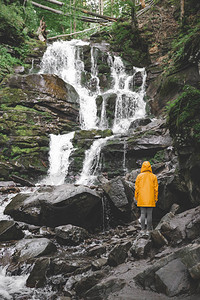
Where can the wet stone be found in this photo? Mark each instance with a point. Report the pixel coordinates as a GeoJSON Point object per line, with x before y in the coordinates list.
{"type": "Point", "coordinates": [172, 279]}
{"type": "Point", "coordinates": [70, 235]}
{"type": "Point", "coordinates": [141, 247]}
{"type": "Point", "coordinates": [99, 263]}
{"type": "Point", "coordinates": [37, 277]}
{"type": "Point", "coordinates": [9, 230]}
{"type": "Point", "coordinates": [118, 254]}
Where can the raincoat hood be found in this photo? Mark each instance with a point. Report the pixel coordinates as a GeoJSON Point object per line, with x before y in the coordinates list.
{"type": "Point", "coordinates": [146, 167]}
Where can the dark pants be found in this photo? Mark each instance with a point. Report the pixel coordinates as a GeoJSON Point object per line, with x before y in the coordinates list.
{"type": "Point", "coordinates": [146, 213]}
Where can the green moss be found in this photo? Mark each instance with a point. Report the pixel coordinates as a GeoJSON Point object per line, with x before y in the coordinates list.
{"type": "Point", "coordinates": [15, 150]}
{"type": "Point", "coordinates": [184, 116]}
{"type": "Point", "coordinates": [3, 139]}
{"type": "Point", "coordinates": [129, 43]}
{"type": "Point", "coordinates": [158, 157]}
{"type": "Point", "coordinates": [170, 85]}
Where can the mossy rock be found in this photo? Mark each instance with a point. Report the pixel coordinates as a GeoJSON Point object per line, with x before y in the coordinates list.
{"type": "Point", "coordinates": [184, 118]}
{"type": "Point", "coordinates": [129, 43]}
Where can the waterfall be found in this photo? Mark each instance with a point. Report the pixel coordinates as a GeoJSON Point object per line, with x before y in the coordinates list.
{"type": "Point", "coordinates": [65, 59]}
{"type": "Point", "coordinates": [60, 150]}
{"type": "Point", "coordinates": [91, 162]}
{"type": "Point", "coordinates": [129, 104]}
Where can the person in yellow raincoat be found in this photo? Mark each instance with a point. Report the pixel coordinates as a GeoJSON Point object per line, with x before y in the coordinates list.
{"type": "Point", "coordinates": [146, 194]}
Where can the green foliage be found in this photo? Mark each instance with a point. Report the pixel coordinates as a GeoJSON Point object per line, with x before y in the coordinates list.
{"type": "Point", "coordinates": [7, 62]}
{"type": "Point", "coordinates": [129, 43]}
{"type": "Point", "coordinates": [186, 48]}
{"type": "Point", "coordinates": [11, 24]}
{"type": "Point", "coordinates": [30, 18]}
{"type": "Point", "coordinates": [184, 115]}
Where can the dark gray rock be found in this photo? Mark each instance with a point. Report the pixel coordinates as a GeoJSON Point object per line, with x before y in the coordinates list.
{"type": "Point", "coordinates": [70, 235]}
{"type": "Point", "coordinates": [120, 196]}
{"type": "Point", "coordinates": [62, 266]}
{"type": "Point", "coordinates": [172, 279]}
{"type": "Point", "coordinates": [99, 263]}
{"type": "Point", "coordinates": [38, 276]}
{"type": "Point", "coordinates": [190, 256]}
{"type": "Point", "coordinates": [181, 227]}
{"type": "Point", "coordinates": [195, 271]}
{"type": "Point", "coordinates": [9, 230]}
{"type": "Point", "coordinates": [118, 254]}
{"type": "Point", "coordinates": [103, 289]}
{"type": "Point", "coordinates": [97, 250]}
{"type": "Point", "coordinates": [171, 274]}
{"type": "Point", "coordinates": [139, 122]}
{"type": "Point", "coordinates": [158, 239]}
{"type": "Point", "coordinates": [88, 281]}
{"type": "Point", "coordinates": [59, 205]}
{"type": "Point", "coordinates": [141, 247]}
{"type": "Point", "coordinates": [32, 248]}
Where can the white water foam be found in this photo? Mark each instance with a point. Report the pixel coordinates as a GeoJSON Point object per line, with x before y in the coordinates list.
{"type": "Point", "coordinates": [60, 149]}
{"type": "Point", "coordinates": [12, 285]}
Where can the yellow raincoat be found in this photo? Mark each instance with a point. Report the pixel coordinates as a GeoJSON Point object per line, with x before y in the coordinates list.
{"type": "Point", "coordinates": [146, 187]}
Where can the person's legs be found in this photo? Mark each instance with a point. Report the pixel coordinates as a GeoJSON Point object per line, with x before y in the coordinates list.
{"type": "Point", "coordinates": [149, 218]}
{"type": "Point", "coordinates": [142, 218]}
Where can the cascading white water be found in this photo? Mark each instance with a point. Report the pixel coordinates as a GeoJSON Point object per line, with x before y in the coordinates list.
{"type": "Point", "coordinates": [65, 60]}
{"type": "Point", "coordinates": [129, 104]}
{"type": "Point", "coordinates": [91, 162]}
{"type": "Point", "coordinates": [60, 150]}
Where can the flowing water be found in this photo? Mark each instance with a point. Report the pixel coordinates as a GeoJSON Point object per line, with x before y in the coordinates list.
{"type": "Point", "coordinates": [65, 59]}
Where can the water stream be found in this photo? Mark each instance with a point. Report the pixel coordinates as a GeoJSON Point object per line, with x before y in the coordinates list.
{"type": "Point", "coordinates": [65, 59]}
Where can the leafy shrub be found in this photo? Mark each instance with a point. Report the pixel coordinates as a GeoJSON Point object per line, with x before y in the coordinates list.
{"type": "Point", "coordinates": [7, 62]}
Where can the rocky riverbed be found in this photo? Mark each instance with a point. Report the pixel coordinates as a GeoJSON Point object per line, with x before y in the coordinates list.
{"type": "Point", "coordinates": [103, 258]}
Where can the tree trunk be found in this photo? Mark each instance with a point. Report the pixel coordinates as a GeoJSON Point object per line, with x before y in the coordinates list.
{"type": "Point", "coordinates": [101, 19]}
{"type": "Point", "coordinates": [82, 18]}
{"type": "Point", "coordinates": [111, 8]}
{"type": "Point", "coordinates": [182, 10]}
{"type": "Point", "coordinates": [134, 22]}
{"type": "Point", "coordinates": [87, 11]}
{"type": "Point", "coordinates": [101, 7]}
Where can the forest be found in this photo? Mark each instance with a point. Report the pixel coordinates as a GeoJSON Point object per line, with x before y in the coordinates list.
{"type": "Point", "coordinates": [89, 89]}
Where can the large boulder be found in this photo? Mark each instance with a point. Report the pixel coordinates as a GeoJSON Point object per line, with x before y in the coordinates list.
{"type": "Point", "coordinates": [120, 196]}
{"type": "Point", "coordinates": [103, 289]}
{"type": "Point", "coordinates": [181, 227]}
{"type": "Point", "coordinates": [37, 277]}
{"type": "Point", "coordinates": [170, 275]}
{"type": "Point", "coordinates": [172, 279]}
{"type": "Point", "coordinates": [59, 205]}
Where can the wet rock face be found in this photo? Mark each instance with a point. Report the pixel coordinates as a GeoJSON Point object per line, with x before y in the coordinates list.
{"type": "Point", "coordinates": [120, 197]}
{"type": "Point", "coordinates": [32, 107]}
